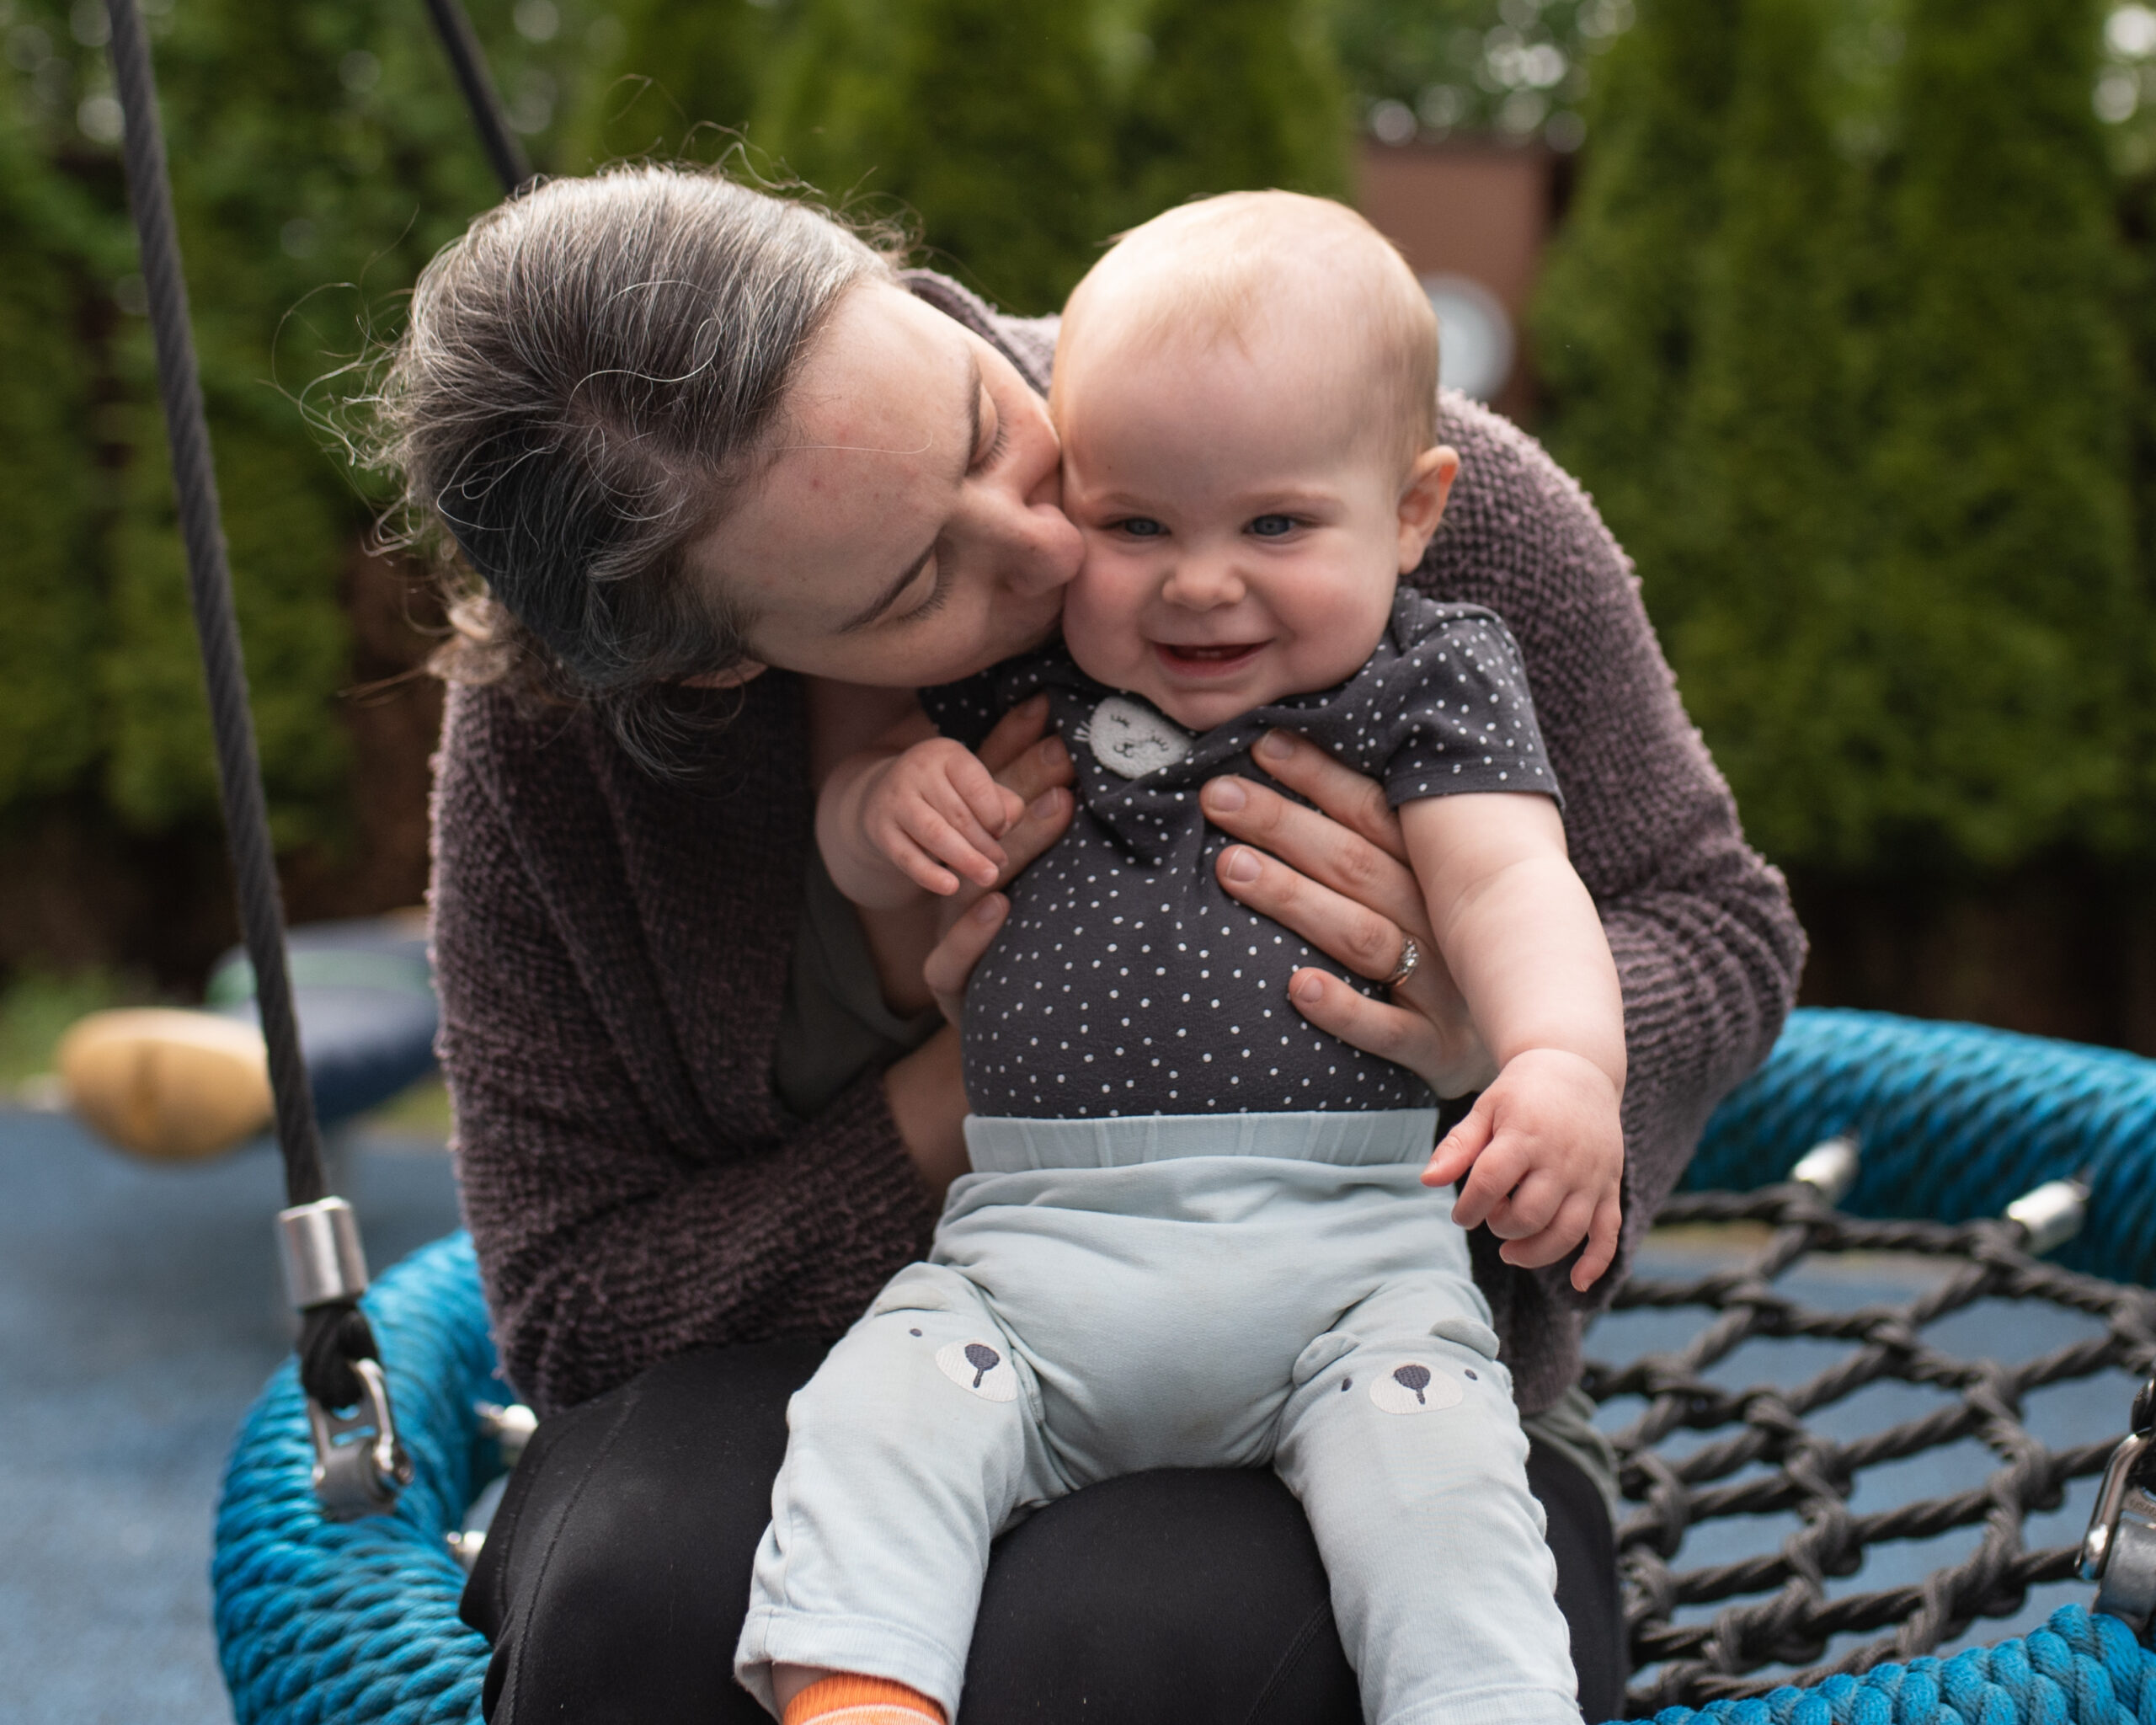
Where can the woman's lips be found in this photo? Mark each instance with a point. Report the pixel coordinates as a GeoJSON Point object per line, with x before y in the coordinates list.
{"type": "Point", "coordinates": [1224, 659]}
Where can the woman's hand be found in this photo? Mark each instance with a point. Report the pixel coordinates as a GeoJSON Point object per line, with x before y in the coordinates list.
{"type": "Point", "coordinates": [1338, 876]}
{"type": "Point", "coordinates": [925, 1092]}
{"type": "Point", "coordinates": [1039, 771]}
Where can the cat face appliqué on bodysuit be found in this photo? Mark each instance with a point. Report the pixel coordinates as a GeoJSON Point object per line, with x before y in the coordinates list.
{"type": "Point", "coordinates": [1131, 740]}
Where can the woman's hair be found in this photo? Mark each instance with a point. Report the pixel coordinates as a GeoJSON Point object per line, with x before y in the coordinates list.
{"type": "Point", "coordinates": [587, 378]}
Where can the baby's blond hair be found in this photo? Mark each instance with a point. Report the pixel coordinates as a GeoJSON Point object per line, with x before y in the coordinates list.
{"type": "Point", "coordinates": [1219, 269]}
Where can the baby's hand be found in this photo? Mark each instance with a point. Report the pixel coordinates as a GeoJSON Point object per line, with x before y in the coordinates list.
{"type": "Point", "coordinates": [1547, 1153]}
{"type": "Point", "coordinates": [936, 805]}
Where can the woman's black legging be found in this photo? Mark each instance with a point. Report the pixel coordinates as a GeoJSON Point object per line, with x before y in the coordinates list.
{"type": "Point", "coordinates": [616, 1577]}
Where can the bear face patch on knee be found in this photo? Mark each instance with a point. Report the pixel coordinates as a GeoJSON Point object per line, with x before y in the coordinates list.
{"type": "Point", "coordinates": [980, 1368]}
{"type": "Point", "coordinates": [1415, 1386]}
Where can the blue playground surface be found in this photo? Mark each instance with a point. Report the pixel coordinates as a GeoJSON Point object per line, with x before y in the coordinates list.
{"type": "Point", "coordinates": [140, 1314]}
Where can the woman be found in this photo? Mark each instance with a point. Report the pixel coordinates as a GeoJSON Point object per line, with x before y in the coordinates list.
{"type": "Point", "coordinates": [716, 459]}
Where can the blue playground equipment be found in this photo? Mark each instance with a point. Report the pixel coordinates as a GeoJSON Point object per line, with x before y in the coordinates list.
{"type": "Point", "coordinates": [319, 1621]}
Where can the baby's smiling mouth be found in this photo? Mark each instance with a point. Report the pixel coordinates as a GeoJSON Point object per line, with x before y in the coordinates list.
{"type": "Point", "coordinates": [1217, 659]}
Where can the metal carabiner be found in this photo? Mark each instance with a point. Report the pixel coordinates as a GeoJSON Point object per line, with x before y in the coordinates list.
{"type": "Point", "coordinates": [360, 1465]}
{"type": "Point", "coordinates": [2118, 1552]}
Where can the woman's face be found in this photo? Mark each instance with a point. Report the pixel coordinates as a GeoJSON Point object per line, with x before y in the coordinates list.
{"type": "Point", "coordinates": [907, 531]}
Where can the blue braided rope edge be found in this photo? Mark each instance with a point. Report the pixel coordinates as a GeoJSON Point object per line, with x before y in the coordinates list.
{"type": "Point", "coordinates": [324, 1623]}
{"type": "Point", "coordinates": [1957, 1121]}
{"type": "Point", "coordinates": [318, 1623]}
{"type": "Point", "coordinates": [2079, 1669]}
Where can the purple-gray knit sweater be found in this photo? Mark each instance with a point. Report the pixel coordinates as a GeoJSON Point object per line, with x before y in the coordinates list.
{"type": "Point", "coordinates": [613, 951]}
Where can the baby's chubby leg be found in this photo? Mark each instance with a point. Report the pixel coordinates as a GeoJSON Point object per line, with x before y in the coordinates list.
{"type": "Point", "coordinates": [908, 1452]}
{"type": "Point", "coordinates": [1403, 1443]}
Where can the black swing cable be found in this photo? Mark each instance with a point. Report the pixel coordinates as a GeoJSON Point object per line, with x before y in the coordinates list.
{"type": "Point", "coordinates": [359, 1464]}
{"type": "Point", "coordinates": [504, 152]}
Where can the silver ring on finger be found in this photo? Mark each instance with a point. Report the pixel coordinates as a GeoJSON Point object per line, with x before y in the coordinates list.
{"type": "Point", "coordinates": [1411, 955]}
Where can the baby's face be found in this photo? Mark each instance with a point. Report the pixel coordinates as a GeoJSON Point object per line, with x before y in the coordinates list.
{"type": "Point", "coordinates": [1242, 522]}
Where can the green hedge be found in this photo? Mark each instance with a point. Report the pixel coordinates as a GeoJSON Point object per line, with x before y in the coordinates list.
{"type": "Point", "coordinates": [1848, 344]}
{"type": "Point", "coordinates": [1843, 352]}
{"type": "Point", "coordinates": [319, 154]}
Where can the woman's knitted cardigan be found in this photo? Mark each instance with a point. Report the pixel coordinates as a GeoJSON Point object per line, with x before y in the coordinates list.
{"type": "Point", "coordinates": [613, 950]}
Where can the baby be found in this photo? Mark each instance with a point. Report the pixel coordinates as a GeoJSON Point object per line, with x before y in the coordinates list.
{"type": "Point", "coordinates": [1196, 1234]}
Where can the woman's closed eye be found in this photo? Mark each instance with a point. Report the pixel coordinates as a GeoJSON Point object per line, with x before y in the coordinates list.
{"type": "Point", "coordinates": [997, 429]}
{"type": "Point", "coordinates": [939, 589]}
{"type": "Point", "coordinates": [996, 445]}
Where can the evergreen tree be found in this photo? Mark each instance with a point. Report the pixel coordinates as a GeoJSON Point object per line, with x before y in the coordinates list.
{"type": "Point", "coordinates": [317, 143]}
{"type": "Point", "coordinates": [1615, 323]}
{"type": "Point", "coordinates": [1755, 598]}
{"type": "Point", "coordinates": [987, 118]}
{"type": "Point", "coordinates": [1233, 96]}
{"type": "Point", "coordinates": [293, 167]}
{"type": "Point", "coordinates": [2002, 608]}
{"type": "Point", "coordinates": [52, 601]}
{"type": "Point", "coordinates": [2139, 298]}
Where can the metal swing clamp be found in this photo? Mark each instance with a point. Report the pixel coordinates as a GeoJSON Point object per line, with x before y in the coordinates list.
{"type": "Point", "coordinates": [2118, 1552]}
{"type": "Point", "coordinates": [360, 1465]}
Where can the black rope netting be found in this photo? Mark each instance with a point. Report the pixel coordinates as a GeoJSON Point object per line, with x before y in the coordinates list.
{"type": "Point", "coordinates": [1781, 1612]}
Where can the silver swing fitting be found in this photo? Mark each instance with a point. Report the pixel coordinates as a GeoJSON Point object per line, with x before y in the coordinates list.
{"type": "Point", "coordinates": [2118, 1552]}
{"type": "Point", "coordinates": [1830, 1168]}
{"type": "Point", "coordinates": [360, 1464]}
{"type": "Point", "coordinates": [2050, 1214]}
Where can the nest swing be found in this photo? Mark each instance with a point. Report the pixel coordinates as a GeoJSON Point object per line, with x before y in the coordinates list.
{"type": "Point", "coordinates": [322, 1620]}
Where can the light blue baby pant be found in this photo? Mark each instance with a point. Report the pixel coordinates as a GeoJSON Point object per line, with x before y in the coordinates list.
{"type": "Point", "coordinates": [1105, 1296]}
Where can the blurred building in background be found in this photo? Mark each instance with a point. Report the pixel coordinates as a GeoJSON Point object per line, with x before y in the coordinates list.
{"type": "Point", "coordinates": [1471, 218]}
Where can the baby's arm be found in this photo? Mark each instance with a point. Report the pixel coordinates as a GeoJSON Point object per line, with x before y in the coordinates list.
{"type": "Point", "coordinates": [912, 813]}
{"type": "Point", "coordinates": [1523, 940]}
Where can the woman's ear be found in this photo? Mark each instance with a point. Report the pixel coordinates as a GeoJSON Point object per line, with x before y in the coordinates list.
{"type": "Point", "coordinates": [733, 677]}
{"type": "Point", "coordinates": [1423, 501]}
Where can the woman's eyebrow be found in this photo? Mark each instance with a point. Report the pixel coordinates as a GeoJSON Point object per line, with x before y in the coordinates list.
{"type": "Point", "coordinates": [889, 596]}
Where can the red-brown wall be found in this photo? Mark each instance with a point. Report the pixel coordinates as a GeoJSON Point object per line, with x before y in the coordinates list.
{"type": "Point", "coordinates": [1472, 209]}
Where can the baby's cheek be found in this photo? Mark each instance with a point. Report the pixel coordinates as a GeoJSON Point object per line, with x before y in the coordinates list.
{"type": "Point", "coordinates": [1100, 617]}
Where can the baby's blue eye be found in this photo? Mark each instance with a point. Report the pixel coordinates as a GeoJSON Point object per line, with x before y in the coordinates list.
{"type": "Point", "coordinates": [1140, 527]}
{"type": "Point", "coordinates": [1273, 526]}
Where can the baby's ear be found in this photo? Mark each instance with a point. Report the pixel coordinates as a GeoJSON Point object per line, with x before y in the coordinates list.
{"type": "Point", "coordinates": [1422, 501]}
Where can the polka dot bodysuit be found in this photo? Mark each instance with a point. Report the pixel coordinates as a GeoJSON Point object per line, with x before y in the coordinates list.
{"type": "Point", "coordinates": [1126, 981]}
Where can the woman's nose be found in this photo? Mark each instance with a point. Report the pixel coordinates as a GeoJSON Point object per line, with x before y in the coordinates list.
{"type": "Point", "coordinates": [1044, 550]}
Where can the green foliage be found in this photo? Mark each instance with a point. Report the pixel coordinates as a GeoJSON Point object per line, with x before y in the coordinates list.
{"type": "Point", "coordinates": [676, 81]}
{"type": "Point", "coordinates": [1842, 359]}
{"type": "Point", "coordinates": [1616, 326]}
{"type": "Point", "coordinates": [987, 118]}
{"type": "Point", "coordinates": [50, 599]}
{"type": "Point", "coordinates": [2125, 90]}
{"type": "Point", "coordinates": [2004, 591]}
{"type": "Point", "coordinates": [1232, 98]}
{"type": "Point", "coordinates": [37, 1006]}
{"type": "Point", "coordinates": [1519, 68]}
{"type": "Point", "coordinates": [319, 154]}
{"type": "Point", "coordinates": [2140, 300]}
{"type": "Point", "coordinates": [1839, 332]}
{"type": "Point", "coordinates": [1756, 595]}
